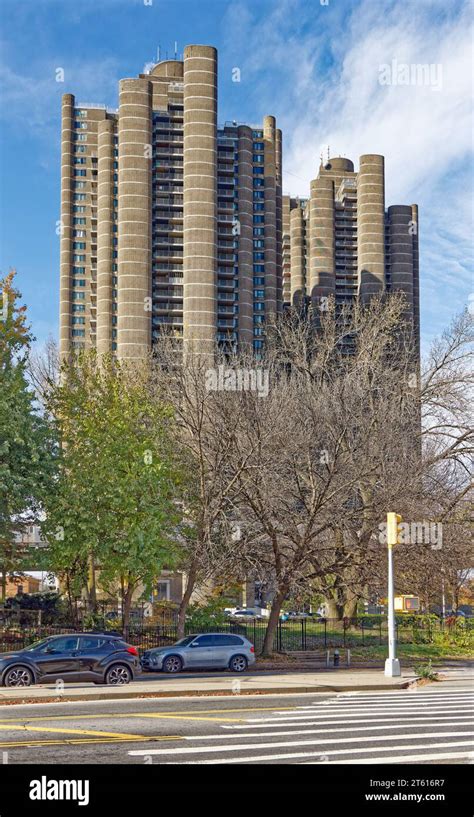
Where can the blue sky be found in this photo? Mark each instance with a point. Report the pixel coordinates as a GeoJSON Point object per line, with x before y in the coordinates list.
{"type": "Point", "coordinates": [314, 65]}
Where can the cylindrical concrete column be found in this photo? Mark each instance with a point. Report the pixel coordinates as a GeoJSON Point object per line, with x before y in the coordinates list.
{"type": "Point", "coordinates": [134, 219]}
{"type": "Point", "coordinates": [371, 225]}
{"type": "Point", "coordinates": [279, 218]}
{"type": "Point", "coordinates": [269, 137]}
{"type": "Point", "coordinates": [105, 234]}
{"type": "Point", "coordinates": [200, 198]}
{"type": "Point", "coordinates": [401, 255]}
{"type": "Point", "coordinates": [414, 228]}
{"type": "Point", "coordinates": [65, 268]}
{"type": "Point", "coordinates": [297, 256]}
{"type": "Point", "coordinates": [245, 216]}
{"type": "Point", "coordinates": [321, 242]}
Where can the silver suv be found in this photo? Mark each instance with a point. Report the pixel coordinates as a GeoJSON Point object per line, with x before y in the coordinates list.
{"type": "Point", "coordinates": [209, 651]}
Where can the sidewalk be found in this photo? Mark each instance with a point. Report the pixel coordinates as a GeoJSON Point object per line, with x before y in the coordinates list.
{"type": "Point", "coordinates": [162, 686]}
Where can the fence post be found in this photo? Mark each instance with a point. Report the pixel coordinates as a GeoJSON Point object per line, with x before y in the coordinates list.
{"type": "Point", "coordinates": [325, 632]}
{"type": "Point", "coordinates": [380, 630]}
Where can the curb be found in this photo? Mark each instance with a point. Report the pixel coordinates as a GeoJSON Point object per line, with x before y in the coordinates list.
{"type": "Point", "coordinates": [115, 696]}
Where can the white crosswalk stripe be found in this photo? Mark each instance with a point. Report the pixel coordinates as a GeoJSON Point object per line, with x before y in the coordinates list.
{"type": "Point", "coordinates": [349, 728]}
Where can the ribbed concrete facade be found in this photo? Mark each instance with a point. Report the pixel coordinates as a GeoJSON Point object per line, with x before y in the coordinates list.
{"type": "Point", "coordinates": [134, 219]}
{"type": "Point", "coordinates": [106, 222]}
{"type": "Point", "coordinates": [352, 247]}
{"type": "Point", "coordinates": [200, 197]}
{"type": "Point", "coordinates": [370, 225]}
{"type": "Point", "coordinates": [170, 221]}
{"type": "Point", "coordinates": [66, 254]}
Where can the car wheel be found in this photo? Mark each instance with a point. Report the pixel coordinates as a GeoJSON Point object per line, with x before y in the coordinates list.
{"type": "Point", "coordinates": [172, 664]}
{"type": "Point", "coordinates": [238, 663]}
{"type": "Point", "coordinates": [18, 677]}
{"type": "Point", "coordinates": [118, 674]}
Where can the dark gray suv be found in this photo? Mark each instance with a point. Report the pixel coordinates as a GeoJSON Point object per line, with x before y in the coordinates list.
{"type": "Point", "coordinates": [207, 651]}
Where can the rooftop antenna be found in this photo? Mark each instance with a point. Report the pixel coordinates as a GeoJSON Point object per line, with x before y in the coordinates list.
{"type": "Point", "coordinates": [158, 54]}
{"type": "Point", "coordinates": [328, 154]}
{"type": "Point", "coordinates": [175, 50]}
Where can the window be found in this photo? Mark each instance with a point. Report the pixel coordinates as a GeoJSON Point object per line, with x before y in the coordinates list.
{"type": "Point", "coordinates": [79, 245]}
{"type": "Point", "coordinates": [258, 194]}
{"type": "Point", "coordinates": [258, 281]}
{"type": "Point", "coordinates": [257, 256]}
{"type": "Point", "coordinates": [259, 293]}
{"type": "Point", "coordinates": [78, 333]}
{"type": "Point", "coordinates": [79, 185]}
{"type": "Point", "coordinates": [258, 146]}
{"type": "Point", "coordinates": [258, 206]}
{"type": "Point", "coordinates": [258, 230]}
{"type": "Point", "coordinates": [259, 268]}
{"type": "Point", "coordinates": [162, 591]}
{"type": "Point", "coordinates": [205, 641]}
{"type": "Point", "coordinates": [57, 645]}
{"type": "Point", "coordinates": [78, 258]}
{"type": "Point", "coordinates": [80, 125]}
{"type": "Point", "coordinates": [80, 160]}
{"type": "Point", "coordinates": [79, 270]}
{"type": "Point", "coordinates": [78, 282]}
{"type": "Point", "coordinates": [227, 641]}
{"type": "Point", "coordinates": [90, 642]}
{"type": "Point", "coordinates": [78, 307]}
{"type": "Point", "coordinates": [76, 296]}
{"type": "Point", "coordinates": [259, 219]}
{"type": "Point", "coordinates": [259, 243]}
{"type": "Point", "coordinates": [258, 182]}
{"type": "Point", "coordinates": [80, 137]}
{"type": "Point", "coordinates": [79, 196]}
{"type": "Point", "coordinates": [258, 344]}
{"type": "Point", "coordinates": [79, 221]}
{"type": "Point", "coordinates": [79, 208]}
{"type": "Point", "coordinates": [259, 306]}
{"type": "Point", "coordinates": [258, 171]}
{"type": "Point", "coordinates": [80, 172]}
{"type": "Point", "coordinates": [80, 149]}
{"type": "Point", "coordinates": [80, 321]}
{"type": "Point", "coordinates": [258, 157]}
{"type": "Point", "coordinates": [80, 234]}
{"type": "Point", "coordinates": [80, 113]}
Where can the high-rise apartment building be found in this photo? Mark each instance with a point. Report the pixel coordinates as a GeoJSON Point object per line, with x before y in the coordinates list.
{"type": "Point", "coordinates": [342, 242]}
{"type": "Point", "coordinates": [167, 218]}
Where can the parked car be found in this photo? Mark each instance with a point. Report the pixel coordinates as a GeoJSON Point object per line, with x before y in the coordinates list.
{"type": "Point", "coordinates": [247, 613]}
{"type": "Point", "coordinates": [207, 651]}
{"type": "Point", "coordinates": [102, 658]}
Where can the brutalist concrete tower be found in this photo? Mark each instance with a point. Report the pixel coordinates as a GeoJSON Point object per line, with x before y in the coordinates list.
{"type": "Point", "coordinates": [200, 197]}
{"type": "Point", "coordinates": [134, 218]}
{"type": "Point", "coordinates": [170, 222]}
{"type": "Point", "coordinates": [342, 242]}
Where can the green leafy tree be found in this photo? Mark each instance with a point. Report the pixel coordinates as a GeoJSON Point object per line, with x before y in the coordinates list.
{"type": "Point", "coordinates": [112, 510]}
{"type": "Point", "coordinates": [27, 447]}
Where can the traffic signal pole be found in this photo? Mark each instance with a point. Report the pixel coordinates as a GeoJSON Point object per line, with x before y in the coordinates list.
{"type": "Point", "coordinates": [392, 664]}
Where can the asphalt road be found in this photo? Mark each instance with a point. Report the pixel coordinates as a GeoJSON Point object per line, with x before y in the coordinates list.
{"type": "Point", "coordinates": [428, 725]}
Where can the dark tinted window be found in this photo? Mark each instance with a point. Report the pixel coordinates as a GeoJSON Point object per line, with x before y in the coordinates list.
{"type": "Point", "coordinates": [65, 644]}
{"type": "Point", "coordinates": [205, 640]}
{"type": "Point", "coordinates": [227, 640]}
{"type": "Point", "coordinates": [90, 642]}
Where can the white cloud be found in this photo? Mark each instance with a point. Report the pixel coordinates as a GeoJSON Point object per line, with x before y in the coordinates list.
{"type": "Point", "coordinates": [321, 79]}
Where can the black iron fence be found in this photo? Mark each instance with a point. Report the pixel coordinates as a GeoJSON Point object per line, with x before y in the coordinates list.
{"type": "Point", "coordinates": [294, 635]}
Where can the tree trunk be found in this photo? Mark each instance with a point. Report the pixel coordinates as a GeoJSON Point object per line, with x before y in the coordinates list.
{"type": "Point", "coordinates": [190, 584]}
{"type": "Point", "coordinates": [334, 609]}
{"type": "Point", "coordinates": [272, 625]}
{"type": "Point", "coordinates": [91, 587]}
{"type": "Point", "coordinates": [126, 605]}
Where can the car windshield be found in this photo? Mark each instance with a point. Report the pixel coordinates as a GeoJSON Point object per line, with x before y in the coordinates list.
{"type": "Point", "coordinates": [37, 644]}
{"type": "Point", "coordinates": [183, 642]}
